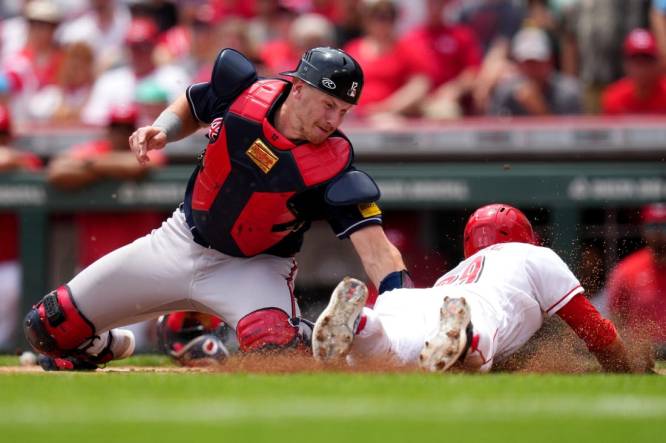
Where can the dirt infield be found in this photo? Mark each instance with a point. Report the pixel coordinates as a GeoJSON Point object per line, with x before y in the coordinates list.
{"type": "Point", "coordinates": [259, 364]}
{"type": "Point", "coordinates": [291, 364]}
{"type": "Point", "coordinates": [555, 349]}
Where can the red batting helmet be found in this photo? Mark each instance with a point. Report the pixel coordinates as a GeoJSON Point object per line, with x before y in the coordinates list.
{"type": "Point", "coordinates": [496, 223]}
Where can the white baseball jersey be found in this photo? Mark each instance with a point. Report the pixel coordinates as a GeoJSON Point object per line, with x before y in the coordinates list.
{"type": "Point", "coordinates": [509, 288]}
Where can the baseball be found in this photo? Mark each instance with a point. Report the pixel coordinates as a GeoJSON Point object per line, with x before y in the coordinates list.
{"type": "Point", "coordinates": [28, 359]}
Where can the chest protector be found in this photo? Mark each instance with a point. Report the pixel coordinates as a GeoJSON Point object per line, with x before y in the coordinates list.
{"type": "Point", "coordinates": [240, 194]}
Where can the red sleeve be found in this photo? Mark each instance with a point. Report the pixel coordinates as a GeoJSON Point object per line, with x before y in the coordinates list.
{"type": "Point", "coordinates": [608, 105]}
{"type": "Point", "coordinates": [597, 332]}
{"type": "Point", "coordinates": [87, 150]}
{"type": "Point", "coordinates": [472, 52]}
{"type": "Point", "coordinates": [614, 98]}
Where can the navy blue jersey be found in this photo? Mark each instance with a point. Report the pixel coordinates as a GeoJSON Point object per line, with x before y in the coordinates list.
{"type": "Point", "coordinates": [256, 191]}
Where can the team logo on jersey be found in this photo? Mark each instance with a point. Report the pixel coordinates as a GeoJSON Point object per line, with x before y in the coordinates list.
{"type": "Point", "coordinates": [214, 130]}
{"type": "Point", "coordinates": [328, 83]}
{"type": "Point", "coordinates": [352, 89]}
{"type": "Point", "coordinates": [262, 155]}
{"type": "Point", "coordinates": [369, 210]}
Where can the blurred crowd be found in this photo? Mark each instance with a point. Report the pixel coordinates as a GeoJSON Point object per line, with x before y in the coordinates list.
{"type": "Point", "coordinates": [72, 61]}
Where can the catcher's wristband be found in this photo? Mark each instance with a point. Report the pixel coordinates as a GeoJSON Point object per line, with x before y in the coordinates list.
{"type": "Point", "coordinates": [170, 123]}
{"type": "Point", "coordinates": [395, 280]}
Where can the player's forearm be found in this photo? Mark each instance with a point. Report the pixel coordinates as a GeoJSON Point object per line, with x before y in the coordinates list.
{"type": "Point", "coordinates": [530, 97]}
{"type": "Point", "coordinates": [569, 55]}
{"type": "Point", "coordinates": [409, 95]}
{"type": "Point", "coordinates": [614, 357]}
{"type": "Point", "coordinates": [177, 120]}
{"type": "Point", "coordinates": [68, 173]}
{"type": "Point", "coordinates": [378, 255]}
{"type": "Point", "coordinates": [9, 159]}
{"type": "Point", "coordinates": [598, 333]}
{"type": "Point", "coordinates": [119, 165]}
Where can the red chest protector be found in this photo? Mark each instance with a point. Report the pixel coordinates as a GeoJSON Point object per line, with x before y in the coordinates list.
{"type": "Point", "coordinates": [250, 171]}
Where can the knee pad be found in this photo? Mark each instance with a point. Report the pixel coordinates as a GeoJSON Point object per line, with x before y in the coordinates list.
{"type": "Point", "coordinates": [266, 329]}
{"type": "Point", "coordinates": [55, 326]}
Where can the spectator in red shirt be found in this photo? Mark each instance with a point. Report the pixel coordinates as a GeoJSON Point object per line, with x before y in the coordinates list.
{"type": "Point", "coordinates": [37, 64]}
{"type": "Point", "coordinates": [643, 89]}
{"type": "Point", "coordinates": [449, 54]}
{"type": "Point", "coordinates": [11, 159]}
{"type": "Point", "coordinates": [390, 87]}
{"type": "Point", "coordinates": [637, 285]}
{"type": "Point", "coordinates": [63, 101]}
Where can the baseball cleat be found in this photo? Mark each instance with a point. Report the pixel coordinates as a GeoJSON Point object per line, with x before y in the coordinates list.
{"type": "Point", "coordinates": [444, 349]}
{"type": "Point", "coordinates": [333, 332]}
{"type": "Point", "coordinates": [65, 364]}
{"type": "Point", "coordinates": [122, 343]}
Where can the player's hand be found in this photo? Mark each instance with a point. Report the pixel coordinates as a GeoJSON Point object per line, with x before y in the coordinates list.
{"type": "Point", "coordinates": [146, 139]}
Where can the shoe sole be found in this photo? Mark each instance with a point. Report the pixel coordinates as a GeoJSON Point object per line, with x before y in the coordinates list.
{"type": "Point", "coordinates": [333, 333]}
{"type": "Point", "coordinates": [125, 344]}
{"type": "Point", "coordinates": [443, 350]}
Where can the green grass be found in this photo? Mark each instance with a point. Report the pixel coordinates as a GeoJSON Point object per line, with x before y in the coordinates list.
{"type": "Point", "coordinates": [335, 407]}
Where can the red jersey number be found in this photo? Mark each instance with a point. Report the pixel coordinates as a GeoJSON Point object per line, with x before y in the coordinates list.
{"type": "Point", "coordinates": [471, 273]}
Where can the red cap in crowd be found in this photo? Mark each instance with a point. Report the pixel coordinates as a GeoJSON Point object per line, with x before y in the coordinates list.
{"type": "Point", "coordinates": [654, 213]}
{"type": "Point", "coordinates": [640, 42]}
{"type": "Point", "coordinates": [142, 30]}
{"type": "Point", "coordinates": [5, 120]}
{"type": "Point", "coordinates": [123, 115]}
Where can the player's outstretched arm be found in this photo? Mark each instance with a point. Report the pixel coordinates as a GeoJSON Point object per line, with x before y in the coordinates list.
{"type": "Point", "coordinates": [174, 123]}
{"type": "Point", "coordinates": [599, 334]}
{"type": "Point", "coordinates": [378, 255]}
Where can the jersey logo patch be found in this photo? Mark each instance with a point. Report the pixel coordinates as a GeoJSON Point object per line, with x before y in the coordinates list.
{"type": "Point", "coordinates": [369, 210]}
{"type": "Point", "coordinates": [262, 156]}
{"type": "Point", "coordinates": [214, 130]}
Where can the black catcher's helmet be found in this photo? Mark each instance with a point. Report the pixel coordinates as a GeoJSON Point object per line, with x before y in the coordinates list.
{"type": "Point", "coordinates": [332, 71]}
